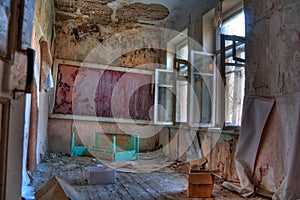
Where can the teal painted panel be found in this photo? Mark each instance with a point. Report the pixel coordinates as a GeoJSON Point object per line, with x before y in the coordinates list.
{"type": "Point", "coordinates": [125, 156]}
{"type": "Point", "coordinates": [79, 151]}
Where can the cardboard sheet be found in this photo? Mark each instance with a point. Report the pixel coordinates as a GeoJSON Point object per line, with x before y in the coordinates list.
{"type": "Point", "coordinates": [157, 160]}
{"type": "Point", "coordinates": [253, 122]}
{"type": "Point", "coordinates": [147, 162]}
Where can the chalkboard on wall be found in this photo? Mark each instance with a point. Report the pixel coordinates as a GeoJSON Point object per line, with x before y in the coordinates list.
{"type": "Point", "coordinates": [85, 89]}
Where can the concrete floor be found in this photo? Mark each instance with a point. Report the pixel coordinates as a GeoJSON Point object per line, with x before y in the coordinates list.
{"type": "Point", "coordinates": [136, 186]}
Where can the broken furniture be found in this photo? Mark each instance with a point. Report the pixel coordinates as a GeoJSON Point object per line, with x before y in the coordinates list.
{"type": "Point", "coordinates": [116, 146]}
{"type": "Point", "coordinates": [77, 150]}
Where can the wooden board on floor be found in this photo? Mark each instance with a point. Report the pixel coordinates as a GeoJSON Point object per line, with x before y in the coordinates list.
{"type": "Point", "coordinates": [57, 188]}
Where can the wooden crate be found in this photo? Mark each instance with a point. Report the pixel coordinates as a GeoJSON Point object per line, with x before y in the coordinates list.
{"type": "Point", "coordinates": [200, 184]}
{"type": "Point", "coordinates": [115, 147]}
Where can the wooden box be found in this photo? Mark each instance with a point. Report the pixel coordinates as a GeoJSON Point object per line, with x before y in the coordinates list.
{"type": "Point", "coordinates": [200, 184]}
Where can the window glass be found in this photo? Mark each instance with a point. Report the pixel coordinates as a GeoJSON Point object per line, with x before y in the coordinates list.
{"type": "Point", "coordinates": [181, 100]}
{"type": "Point", "coordinates": [203, 87]}
{"type": "Point", "coordinates": [234, 69]}
{"type": "Point", "coordinates": [234, 93]}
{"type": "Point", "coordinates": [163, 112]}
{"type": "Point", "coordinates": [182, 50]}
{"type": "Point", "coordinates": [234, 25]}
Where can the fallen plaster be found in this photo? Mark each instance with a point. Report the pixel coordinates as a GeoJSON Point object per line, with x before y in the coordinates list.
{"type": "Point", "coordinates": [168, 183]}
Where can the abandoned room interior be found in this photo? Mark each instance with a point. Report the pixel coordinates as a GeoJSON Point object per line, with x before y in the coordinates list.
{"type": "Point", "coordinates": [149, 99]}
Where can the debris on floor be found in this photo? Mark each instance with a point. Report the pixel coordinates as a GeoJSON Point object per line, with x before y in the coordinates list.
{"type": "Point", "coordinates": [168, 183]}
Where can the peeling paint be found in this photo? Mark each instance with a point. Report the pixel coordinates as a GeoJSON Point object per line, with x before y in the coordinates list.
{"type": "Point", "coordinates": [140, 11]}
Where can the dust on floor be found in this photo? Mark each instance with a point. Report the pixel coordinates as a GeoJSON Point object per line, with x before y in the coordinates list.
{"type": "Point", "coordinates": [147, 186]}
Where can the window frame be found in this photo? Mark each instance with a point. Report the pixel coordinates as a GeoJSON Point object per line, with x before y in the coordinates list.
{"type": "Point", "coordinates": [157, 95]}
{"type": "Point", "coordinates": [214, 95]}
{"type": "Point", "coordinates": [240, 62]}
{"type": "Point", "coordinates": [185, 78]}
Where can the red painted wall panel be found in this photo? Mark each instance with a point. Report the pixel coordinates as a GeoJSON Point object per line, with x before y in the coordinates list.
{"type": "Point", "coordinates": [104, 93]}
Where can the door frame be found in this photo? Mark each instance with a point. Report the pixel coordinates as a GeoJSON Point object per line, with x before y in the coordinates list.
{"type": "Point", "coordinates": [4, 117]}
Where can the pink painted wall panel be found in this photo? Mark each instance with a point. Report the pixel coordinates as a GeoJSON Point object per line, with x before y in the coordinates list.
{"type": "Point", "coordinates": [104, 93]}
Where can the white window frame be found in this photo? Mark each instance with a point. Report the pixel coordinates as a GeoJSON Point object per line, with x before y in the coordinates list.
{"type": "Point", "coordinates": [158, 85]}
{"type": "Point", "coordinates": [213, 92]}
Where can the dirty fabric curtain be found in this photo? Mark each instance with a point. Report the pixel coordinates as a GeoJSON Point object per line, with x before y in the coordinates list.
{"type": "Point", "coordinates": [288, 108]}
{"type": "Point", "coordinates": [255, 114]}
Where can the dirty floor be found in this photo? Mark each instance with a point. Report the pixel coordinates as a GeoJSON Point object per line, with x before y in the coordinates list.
{"type": "Point", "coordinates": [147, 186]}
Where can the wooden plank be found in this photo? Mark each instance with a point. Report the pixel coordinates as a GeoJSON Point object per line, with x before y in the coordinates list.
{"type": "Point", "coordinates": [152, 192]}
{"type": "Point", "coordinates": [129, 184]}
{"type": "Point", "coordinates": [162, 185]}
{"type": "Point", "coordinates": [57, 188]}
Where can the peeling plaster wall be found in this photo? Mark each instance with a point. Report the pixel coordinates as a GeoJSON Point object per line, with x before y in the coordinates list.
{"type": "Point", "coordinates": [98, 32]}
{"type": "Point", "coordinates": [273, 45]}
{"type": "Point", "coordinates": [273, 57]}
{"type": "Point", "coordinates": [82, 26]}
{"type": "Point", "coordinates": [111, 32]}
{"type": "Point", "coordinates": [139, 11]}
{"type": "Point", "coordinates": [219, 150]}
{"type": "Point", "coordinates": [270, 161]}
{"type": "Point", "coordinates": [43, 27]}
